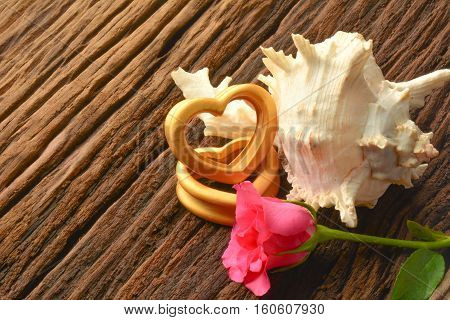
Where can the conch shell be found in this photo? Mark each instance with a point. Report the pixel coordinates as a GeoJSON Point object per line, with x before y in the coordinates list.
{"type": "Point", "coordinates": [345, 130]}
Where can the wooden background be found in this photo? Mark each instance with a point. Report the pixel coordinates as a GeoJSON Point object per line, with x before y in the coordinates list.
{"type": "Point", "coordinates": [87, 187]}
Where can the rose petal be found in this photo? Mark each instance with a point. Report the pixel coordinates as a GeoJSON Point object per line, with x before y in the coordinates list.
{"type": "Point", "coordinates": [248, 239]}
{"type": "Point", "coordinates": [263, 231]}
{"type": "Point", "coordinates": [248, 204]}
{"type": "Point", "coordinates": [277, 243]}
{"type": "Point", "coordinates": [258, 259]}
{"type": "Point", "coordinates": [236, 274]}
{"type": "Point", "coordinates": [255, 266]}
{"type": "Point", "coordinates": [236, 260]}
{"type": "Point", "coordinates": [285, 218]}
{"type": "Point", "coordinates": [258, 283]}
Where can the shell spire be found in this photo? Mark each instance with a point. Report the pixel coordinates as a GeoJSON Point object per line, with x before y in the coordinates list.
{"type": "Point", "coordinates": [304, 47]}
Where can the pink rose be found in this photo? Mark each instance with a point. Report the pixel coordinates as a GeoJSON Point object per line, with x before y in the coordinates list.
{"type": "Point", "coordinates": [263, 227]}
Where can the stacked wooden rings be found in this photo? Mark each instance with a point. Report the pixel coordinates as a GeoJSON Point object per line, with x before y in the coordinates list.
{"type": "Point", "coordinates": [214, 163]}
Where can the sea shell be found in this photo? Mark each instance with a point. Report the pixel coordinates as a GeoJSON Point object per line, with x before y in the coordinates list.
{"type": "Point", "coordinates": [345, 130]}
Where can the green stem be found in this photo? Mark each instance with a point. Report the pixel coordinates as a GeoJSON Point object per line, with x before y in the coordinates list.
{"type": "Point", "coordinates": [326, 234]}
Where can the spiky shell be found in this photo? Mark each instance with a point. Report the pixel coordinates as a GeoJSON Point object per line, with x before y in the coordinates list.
{"type": "Point", "coordinates": [344, 129]}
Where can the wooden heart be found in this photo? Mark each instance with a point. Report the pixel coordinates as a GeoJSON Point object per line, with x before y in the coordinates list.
{"type": "Point", "coordinates": [249, 158]}
{"type": "Point", "coordinates": [217, 205]}
{"type": "Point", "coordinates": [265, 177]}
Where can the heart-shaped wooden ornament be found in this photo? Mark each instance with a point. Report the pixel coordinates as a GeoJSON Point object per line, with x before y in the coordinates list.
{"type": "Point", "coordinates": [249, 158]}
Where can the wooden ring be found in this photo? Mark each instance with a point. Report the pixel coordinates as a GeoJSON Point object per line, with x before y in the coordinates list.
{"type": "Point", "coordinates": [216, 205]}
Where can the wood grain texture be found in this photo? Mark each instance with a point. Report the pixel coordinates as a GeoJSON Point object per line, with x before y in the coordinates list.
{"type": "Point", "coordinates": [87, 187]}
